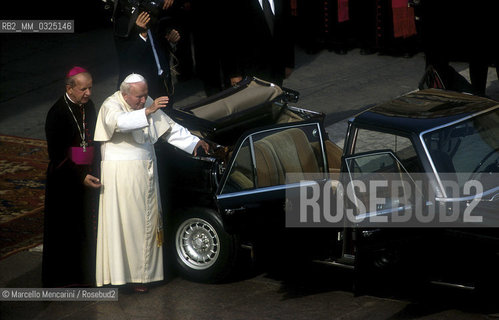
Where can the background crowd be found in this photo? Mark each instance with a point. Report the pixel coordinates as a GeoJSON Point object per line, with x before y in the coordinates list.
{"type": "Point", "coordinates": [444, 30]}
{"type": "Point", "coordinates": [213, 33]}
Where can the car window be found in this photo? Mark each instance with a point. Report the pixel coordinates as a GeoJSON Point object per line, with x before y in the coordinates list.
{"type": "Point", "coordinates": [468, 149]}
{"type": "Point", "coordinates": [287, 155]}
{"type": "Point", "coordinates": [379, 175]}
{"type": "Point", "coordinates": [278, 156]}
{"type": "Point", "coordinates": [373, 163]}
{"type": "Point", "coordinates": [241, 175]}
{"type": "Point", "coordinates": [402, 147]}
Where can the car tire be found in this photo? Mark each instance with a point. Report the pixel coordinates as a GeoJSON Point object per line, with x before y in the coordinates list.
{"type": "Point", "coordinates": [203, 251]}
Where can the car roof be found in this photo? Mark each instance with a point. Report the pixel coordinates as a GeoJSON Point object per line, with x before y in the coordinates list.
{"type": "Point", "coordinates": [423, 110]}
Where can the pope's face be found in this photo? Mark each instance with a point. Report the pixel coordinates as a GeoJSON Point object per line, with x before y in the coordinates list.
{"type": "Point", "coordinates": [137, 95]}
{"type": "Point", "coordinates": [82, 90]}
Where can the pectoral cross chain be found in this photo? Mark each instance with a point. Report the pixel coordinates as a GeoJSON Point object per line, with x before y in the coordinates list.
{"type": "Point", "coordinates": [84, 145]}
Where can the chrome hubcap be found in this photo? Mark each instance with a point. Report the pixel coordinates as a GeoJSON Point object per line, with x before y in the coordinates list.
{"type": "Point", "coordinates": [197, 244]}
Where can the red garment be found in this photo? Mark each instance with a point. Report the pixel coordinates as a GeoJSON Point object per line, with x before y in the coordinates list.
{"type": "Point", "coordinates": [343, 14]}
{"type": "Point", "coordinates": [404, 21]}
{"type": "Point", "coordinates": [294, 8]}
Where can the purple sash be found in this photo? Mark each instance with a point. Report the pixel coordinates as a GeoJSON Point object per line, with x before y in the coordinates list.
{"type": "Point", "coordinates": [80, 157]}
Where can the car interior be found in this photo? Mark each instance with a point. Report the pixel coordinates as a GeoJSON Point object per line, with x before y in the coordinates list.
{"type": "Point", "coordinates": [278, 154]}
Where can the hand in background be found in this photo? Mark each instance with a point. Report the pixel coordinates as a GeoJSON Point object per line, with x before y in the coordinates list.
{"type": "Point", "coordinates": [235, 80]}
{"type": "Point", "coordinates": [142, 20]}
{"type": "Point", "coordinates": [173, 36]}
{"type": "Point", "coordinates": [167, 4]}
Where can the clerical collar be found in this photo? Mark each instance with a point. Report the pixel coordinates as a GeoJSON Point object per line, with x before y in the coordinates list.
{"type": "Point", "coordinates": [67, 96]}
{"type": "Point", "coordinates": [128, 108]}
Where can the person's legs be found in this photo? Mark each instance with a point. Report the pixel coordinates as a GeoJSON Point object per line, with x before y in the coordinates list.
{"type": "Point", "coordinates": [478, 75]}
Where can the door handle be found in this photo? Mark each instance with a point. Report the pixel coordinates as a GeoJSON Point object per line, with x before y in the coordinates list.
{"type": "Point", "coordinates": [232, 211]}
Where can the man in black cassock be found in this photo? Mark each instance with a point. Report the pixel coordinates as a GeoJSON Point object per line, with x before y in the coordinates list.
{"type": "Point", "coordinates": [72, 187]}
{"type": "Point", "coordinates": [259, 42]}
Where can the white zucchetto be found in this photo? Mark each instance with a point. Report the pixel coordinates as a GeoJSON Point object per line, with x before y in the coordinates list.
{"type": "Point", "coordinates": [134, 78]}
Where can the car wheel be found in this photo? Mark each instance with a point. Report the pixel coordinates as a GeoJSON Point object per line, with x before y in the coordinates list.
{"type": "Point", "coordinates": [203, 250]}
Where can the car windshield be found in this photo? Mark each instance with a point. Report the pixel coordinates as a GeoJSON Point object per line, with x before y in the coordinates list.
{"type": "Point", "coordinates": [467, 150]}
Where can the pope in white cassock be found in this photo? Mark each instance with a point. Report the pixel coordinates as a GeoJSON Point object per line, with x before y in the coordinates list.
{"type": "Point", "coordinates": [129, 236]}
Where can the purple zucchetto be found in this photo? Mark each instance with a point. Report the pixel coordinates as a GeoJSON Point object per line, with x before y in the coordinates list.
{"type": "Point", "coordinates": [75, 70]}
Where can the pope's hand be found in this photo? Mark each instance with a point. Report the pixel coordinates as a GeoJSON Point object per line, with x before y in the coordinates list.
{"type": "Point", "coordinates": [160, 102]}
{"type": "Point", "coordinates": [203, 144]}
